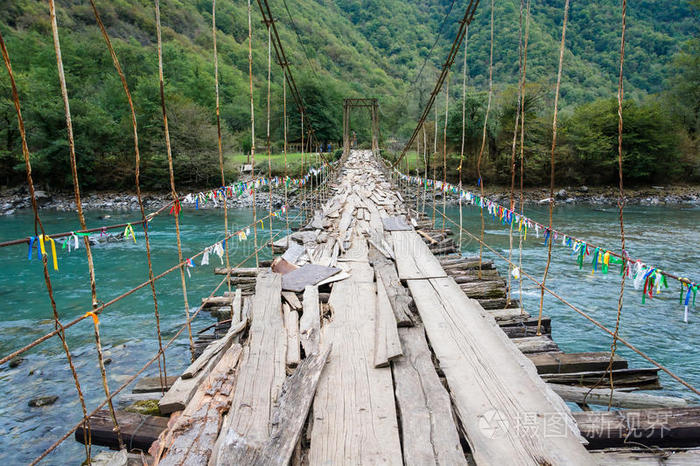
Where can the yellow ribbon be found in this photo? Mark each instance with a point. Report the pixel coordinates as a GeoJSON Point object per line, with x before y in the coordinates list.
{"type": "Point", "coordinates": [43, 238]}
{"type": "Point", "coordinates": [95, 319]}
{"type": "Point", "coordinates": [129, 230]}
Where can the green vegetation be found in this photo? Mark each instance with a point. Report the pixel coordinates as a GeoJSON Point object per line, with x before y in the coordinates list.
{"type": "Point", "coordinates": [348, 48]}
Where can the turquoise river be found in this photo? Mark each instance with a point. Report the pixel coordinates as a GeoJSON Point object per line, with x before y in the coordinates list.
{"type": "Point", "coordinates": [664, 236]}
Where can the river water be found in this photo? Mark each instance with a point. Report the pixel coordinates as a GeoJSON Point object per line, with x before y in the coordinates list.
{"type": "Point", "coordinates": [663, 236]}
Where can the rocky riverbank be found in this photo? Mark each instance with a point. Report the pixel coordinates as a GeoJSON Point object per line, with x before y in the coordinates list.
{"type": "Point", "coordinates": [12, 200]}
{"type": "Point", "coordinates": [646, 196]}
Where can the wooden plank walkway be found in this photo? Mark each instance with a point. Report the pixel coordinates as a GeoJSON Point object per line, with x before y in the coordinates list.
{"type": "Point", "coordinates": [386, 354]}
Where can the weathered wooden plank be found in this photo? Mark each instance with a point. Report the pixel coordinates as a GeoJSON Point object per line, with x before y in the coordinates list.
{"type": "Point", "coordinates": [674, 427]}
{"type": "Point", "coordinates": [489, 386]}
{"type": "Point", "coordinates": [498, 303]}
{"type": "Point", "coordinates": [236, 307]}
{"type": "Point", "coordinates": [508, 314]}
{"type": "Point", "coordinates": [214, 348]}
{"type": "Point", "coordinates": [291, 324]}
{"type": "Point", "coordinates": [191, 439]}
{"type": "Point", "coordinates": [260, 378]}
{"type": "Point", "coordinates": [399, 298]}
{"type": "Point", "coordinates": [428, 429]}
{"type": "Point", "coordinates": [138, 431]}
{"type": "Point", "coordinates": [309, 274]}
{"type": "Point", "coordinates": [310, 321]}
{"type": "Point", "coordinates": [354, 415]}
{"type": "Point", "coordinates": [387, 345]}
{"type": "Point", "coordinates": [536, 344]}
{"type": "Point", "coordinates": [395, 224]}
{"type": "Point", "coordinates": [620, 399]}
{"type": "Point", "coordinates": [291, 411]}
{"type": "Point", "coordinates": [292, 300]}
{"type": "Point", "coordinates": [413, 258]}
{"type": "Point", "coordinates": [557, 363]}
{"type": "Point", "coordinates": [648, 457]}
{"type": "Point", "coordinates": [643, 379]}
{"type": "Point", "coordinates": [152, 384]}
{"type": "Point", "coordinates": [216, 301]}
{"type": "Point", "coordinates": [239, 271]}
{"type": "Point", "coordinates": [484, 289]}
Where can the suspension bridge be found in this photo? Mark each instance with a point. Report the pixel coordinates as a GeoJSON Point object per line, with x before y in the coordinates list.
{"type": "Point", "coordinates": [369, 338]}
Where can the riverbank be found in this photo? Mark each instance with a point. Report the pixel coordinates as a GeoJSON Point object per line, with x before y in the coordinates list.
{"type": "Point", "coordinates": [14, 199]}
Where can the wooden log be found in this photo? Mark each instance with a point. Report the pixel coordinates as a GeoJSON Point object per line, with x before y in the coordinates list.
{"type": "Point", "coordinates": [620, 399]}
{"type": "Point", "coordinates": [191, 439]}
{"type": "Point", "coordinates": [310, 321]}
{"type": "Point", "coordinates": [428, 429]}
{"type": "Point", "coordinates": [545, 327]}
{"type": "Point", "coordinates": [647, 457]}
{"type": "Point", "coordinates": [354, 414]}
{"type": "Point", "coordinates": [536, 344]}
{"type": "Point", "coordinates": [474, 277]}
{"type": "Point", "coordinates": [641, 379]}
{"type": "Point", "coordinates": [260, 378]}
{"type": "Point", "coordinates": [484, 289]}
{"type": "Point", "coordinates": [674, 427]}
{"type": "Point", "coordinates": [557, 363]}
{"type": "Point", "coordinates": [152, 384]}
{"type": "Point", "coordinates": [138, 431]}
{"type": "Point", "coordinates": [399, 298]}
{"type": "Point", "coordinates": [387, 345]}
{"type": "Point", "coordinates": [523, 332]}
{"type": "Point", "coordinates": [511, 314]}
{"type": "Point", "coordinates": [214, 348]}
{"type": "Point", "coordinates": [216, 301]}
{"type": "Point", "coordinates": [498, 303]}
{"type": "Point", "coordinates": [291, 411]}
{"type": "Point", "coordinates": [292, 300]}
{"type": "Point", "coordinates": [239, 271]}
{"type": "Point", "coordinates": [468, 264]}
{"type": "Point", "coordinates": [291, 324]}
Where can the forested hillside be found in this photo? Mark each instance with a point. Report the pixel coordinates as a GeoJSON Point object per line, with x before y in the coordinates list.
{"type": "Point", "coordinates": [347, 48]}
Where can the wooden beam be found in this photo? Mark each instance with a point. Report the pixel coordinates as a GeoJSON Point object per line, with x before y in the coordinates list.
{"type": "Point", "coordinates": [428, 428]}
{"type": "Point", "coordinates": [620, 399]}
{"type": "Point", "coordinates": [413, 258]}
{"type": "Point", "coordinates": [291, 324]}
{"type": "Point", "coordinates": [491, 388]}
{"type": "Point", "coordinates": [354, 415]}
{"type": "Point", "coordinates": [291, 411]}
{"type": "Point", "coordinates": [310, 321]}
{"type": "Point", "coordinates": [260, 378]}
{"type": "Point", "coordinates": [387, 345]}
{"type": "Point", "coordinates": [642, 379]}
{"type": "Point", "coordinates": [557, 363]}
{"type": "Point", "coordinates": [138, 431]}
{"type": "Point", "coordinates": [676, 427]}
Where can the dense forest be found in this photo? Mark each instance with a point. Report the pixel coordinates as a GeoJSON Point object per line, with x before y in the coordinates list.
{"type": "Point", "coordinates": [389, 49]}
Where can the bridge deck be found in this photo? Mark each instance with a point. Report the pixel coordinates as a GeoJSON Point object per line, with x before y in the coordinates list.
{"type": "Point", "coordinates": [362, 414]}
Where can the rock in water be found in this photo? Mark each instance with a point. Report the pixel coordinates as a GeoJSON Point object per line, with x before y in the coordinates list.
{"type": "Point", "coordinates": [16, 361]}
{"type": "Point", "coordinates": [43, 401]}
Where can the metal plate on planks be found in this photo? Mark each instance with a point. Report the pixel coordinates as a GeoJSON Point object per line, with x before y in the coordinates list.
{"type": "Point", "coordinates": [309, 274]}
{"type": "Point", "coordinates": [395, 224]}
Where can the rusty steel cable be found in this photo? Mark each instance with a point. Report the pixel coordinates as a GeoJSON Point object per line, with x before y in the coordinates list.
{"type": "Point", "coordinates": [483, 136]}
{"type": "Point", "coordinates": [621, 200]}
{"type": "Point", "coordinates": [444, 149]}
{"type": "Point", "coordinates": [456, 44]}
{"type": "Point", "coordinates": [142, 369]}
{"type": "Point", "coordinates": [522, 150]}
{"type": "Point", "coordinates": [218, 129]}
{"type": "Point", "coordinates": [464, 129]}
{"type": "Point", "coordinates": [252, 128]}
{"type": "Point", "coordinates": [168, 149]}
{"type": "Point", "coordinates": [583, 314]}
{"type": "Point", "coordinates": [269, 146]}
{"type": "Point", "coordinates": [162, 367]}
{"type": "Point", "coordinates": [79, 207]}
{"type": "Point", "coordinates": [38, 226]}
{"type": "Point", "coordinates": [513, 150]}
{"type": "Point", "coordinates": [562, 47]}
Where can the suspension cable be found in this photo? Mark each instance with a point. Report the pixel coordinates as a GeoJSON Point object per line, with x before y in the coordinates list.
{"type": "Point", "coordinates": [621, 200]}
{"type": "Point", "coordinates": [483, 136]}
{"type": "Point", "coordinates": [38, 226]}
{"type": "Point", "coordinates": [444, 149]}
{"type": "Point", "coordinates": [252, 128]}
{"type": "Point", "coordinates": [162, 369]}
{"type": "Point", "coordinates": [79, 206]}
{"type": "Point", "coordinates": [562, 46]}
{"type": "Point", "coordinates": [522, 153]}
{"type": "Point", "coordinates": [464, 128]}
